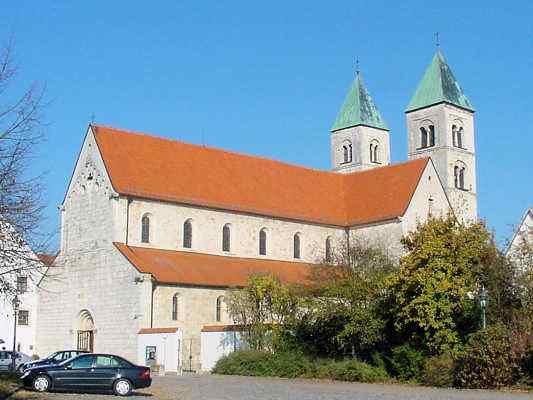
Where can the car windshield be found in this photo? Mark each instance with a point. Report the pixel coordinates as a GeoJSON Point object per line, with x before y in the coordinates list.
{"type": "Point", "coordinates": [54, 356]}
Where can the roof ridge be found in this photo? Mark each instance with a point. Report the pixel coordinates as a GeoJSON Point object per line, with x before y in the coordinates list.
{"type": "Point", "coordinates": [213, 148]}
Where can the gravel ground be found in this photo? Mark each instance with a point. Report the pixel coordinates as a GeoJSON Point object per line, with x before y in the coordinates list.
{"type": "Point", "coordinates": [206, 387]}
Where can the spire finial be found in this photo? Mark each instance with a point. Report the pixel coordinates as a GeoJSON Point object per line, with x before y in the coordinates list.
{"type": "Point", "coordinates": [357, 66]}
{"type": "Point", "coordinates": [437, 40]}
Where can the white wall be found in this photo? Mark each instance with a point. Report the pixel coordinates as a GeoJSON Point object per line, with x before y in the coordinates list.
{"type": "Point", "coordinates": [166, 230]}
{"type": "Point", "coordinates": [168, 349]}
{"type": "Point", "coordinates": [215, 345]}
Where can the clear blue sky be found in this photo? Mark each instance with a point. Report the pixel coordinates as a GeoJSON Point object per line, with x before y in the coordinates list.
{"type": "Point", "coordinates": [267, 78]}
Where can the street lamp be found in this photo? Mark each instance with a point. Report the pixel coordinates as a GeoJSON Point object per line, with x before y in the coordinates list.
{"type": "Point", "coordinates": [16, 303]}
{"type": "Point", "coordinates": [483, 296]}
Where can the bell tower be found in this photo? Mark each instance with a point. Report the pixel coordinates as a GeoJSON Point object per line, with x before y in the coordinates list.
{"type": "Point", "coordinates": [359, 136]}
{"type": "Point", "coordinates": [440, 124]}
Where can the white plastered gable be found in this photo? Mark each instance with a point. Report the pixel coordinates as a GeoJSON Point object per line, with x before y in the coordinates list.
{"type": "Point", "coordinates": [429, 198]}
{"type": "Point", "coordinates": [90, 172]}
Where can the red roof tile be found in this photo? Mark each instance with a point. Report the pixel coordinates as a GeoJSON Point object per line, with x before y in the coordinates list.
{"type": "Point", "coordinates": [47, 259]}
{"type": "Point", "coordinates": [156, 168]}
{"type": "Point", "coordinates": [169, 266]}
{"type": "Point", "coordinates": [222, 328]}
{"type": "Point", "coordinates": [157, 330]}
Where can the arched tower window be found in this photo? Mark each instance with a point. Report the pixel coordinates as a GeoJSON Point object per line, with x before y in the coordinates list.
{"type": "Point", "coordinates": [347, 152]}
{"type": "Point", "coordinates": [431, 136]}
{"type": "Point", "coordinates": [262, 242]}
{"type": "Point", "coordinates": [145, 229]}
{"type": "Point", "coordinates": [218, 310]}
{"type": "Point", "coordinates": [423, 137]}
{"type": "Point", "coordinates": [187, 234]}
{"type": "Point", "coordinates": [374, 152]}
{"type": "Point", "coordinates": [454, 135]}
{"type": "Point", "coordinates": [175, 305]}
{"type": "Point", "coordinates": [328, 249]}
{"type": "Point", "coordinates": [459, 171]}
{"type": "Point", "coordinates": [460, 138]}
{"type": "Point", "coordinates": [226, 238]}
{"type": "Point", "coordinates": [297, 246]}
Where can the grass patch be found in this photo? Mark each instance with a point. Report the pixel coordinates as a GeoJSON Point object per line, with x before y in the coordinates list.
{"type": "Point", "coordinates": [9, 383]}
{"type": "Point", "coordinates": [293, 365]}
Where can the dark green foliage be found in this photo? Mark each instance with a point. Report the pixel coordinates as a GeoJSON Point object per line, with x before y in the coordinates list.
{"type": "Point", "coordinates": [488, 360]}
{"type": "Point", "coordinates": [439, 371]}
{"type": "Point", "coordinates": [294, 365]}
{"type": "Point", "coordinates": [407, 363]}
{"type": "Point", "coordinates": [351, 371]}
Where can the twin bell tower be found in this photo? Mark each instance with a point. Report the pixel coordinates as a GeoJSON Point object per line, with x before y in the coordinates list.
{"type": "Point", "coordinates": [440, 125]}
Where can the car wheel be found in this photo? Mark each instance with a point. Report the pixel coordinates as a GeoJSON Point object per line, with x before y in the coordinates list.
{"type": "Point", "coordinates": [41, 383]}
{"type": "Point", "coordinates": [122, 387]}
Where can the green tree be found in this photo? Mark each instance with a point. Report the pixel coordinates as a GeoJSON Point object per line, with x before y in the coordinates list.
{"type": "Point", "coordinates": [437, 281]}
{"type": "Point", "coordinates": [261, 308]}
{"type": "Point", "coordinates": [346, 300]}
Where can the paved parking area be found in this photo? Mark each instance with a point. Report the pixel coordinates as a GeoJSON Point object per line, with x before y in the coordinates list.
{"type": "Point", "coordinates": [208, 387]}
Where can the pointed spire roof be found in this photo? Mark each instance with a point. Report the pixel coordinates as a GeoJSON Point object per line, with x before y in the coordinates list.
{"type": "Point", "coordinates": [359, 109]}
{"type": "Point", "coordinates": [438, 86]}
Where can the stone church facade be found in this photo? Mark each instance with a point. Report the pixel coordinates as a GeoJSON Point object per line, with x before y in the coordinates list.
{"type": "Point", "coordinates": [155, 231]}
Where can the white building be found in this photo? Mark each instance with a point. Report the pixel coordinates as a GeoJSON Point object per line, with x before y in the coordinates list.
{"type": "Point", "coordinates": [154, 231]}
{"type": "Point", "coordinates": [21, 273]}
{"type": "Point", "coordinates": [520, 248]}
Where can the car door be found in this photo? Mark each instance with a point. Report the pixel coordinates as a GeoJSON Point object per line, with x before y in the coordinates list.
{"type": "Point", "coordinates": [75, 374]}
{"type": "Point", "coordinates": [104, 371]}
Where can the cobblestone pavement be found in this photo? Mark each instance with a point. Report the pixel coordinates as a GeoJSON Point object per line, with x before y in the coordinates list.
{"type": "Point", "coordinates": [236, 388]}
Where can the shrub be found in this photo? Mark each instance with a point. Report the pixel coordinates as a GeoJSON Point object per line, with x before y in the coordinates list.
{"type": "Point", "coordinates": [407, 363]}
{"type": "Point", "coordinates": [352, 371]}
{"type": "Point", "coordinates": [439, 371]}
{"type": "Point", "coordinates": [294, 365]}
{"type": "Point", "coordinates": [488, 360]}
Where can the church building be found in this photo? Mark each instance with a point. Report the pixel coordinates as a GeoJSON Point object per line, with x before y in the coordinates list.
{"type": "Point", "coordinates": [154, 232]}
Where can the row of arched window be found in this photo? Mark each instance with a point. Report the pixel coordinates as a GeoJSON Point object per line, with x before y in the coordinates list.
{"type": "Point", "coordinates": [427, 136]}
{"type": "Point", "coordinates": [348, 152]}
{"type": "Point", "coordinates": [176, 303]}
{"type": "Point", "coordinates": [226, 238]}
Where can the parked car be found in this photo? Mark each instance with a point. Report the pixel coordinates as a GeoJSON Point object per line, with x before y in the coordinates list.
{"type": "Point", "coordinates": [6, 359]}
{"type": "Point", "coordinates": [52, 359]}
{"type": "Point", "coordinates": [89, 372]}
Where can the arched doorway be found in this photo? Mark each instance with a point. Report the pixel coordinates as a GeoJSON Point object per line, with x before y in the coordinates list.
{"type": "Point", "coordinates": [85, 330]}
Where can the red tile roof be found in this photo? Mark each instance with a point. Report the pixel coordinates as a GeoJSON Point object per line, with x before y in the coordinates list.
{"type": "Point", "coordinates": [189, 268]}
{"type": "Point", "coordinates": [222, 328]}
{"type": "Point", "coordinates": [47, 259]}
{"type": "Point", "coordinates": [156, 168]}
{"type": "Point", "coordinates": [157, 330]}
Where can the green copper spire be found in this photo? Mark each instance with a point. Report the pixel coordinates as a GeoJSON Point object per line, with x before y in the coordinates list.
{"type": "Point", "coordinates": [359, 109]}
{"type": "Point", "coordinates": [438, 86]}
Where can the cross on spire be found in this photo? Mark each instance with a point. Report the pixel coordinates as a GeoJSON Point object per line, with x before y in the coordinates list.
{"type": "Point", "coordinates": [357, 66]}
{"type": "Point", "coordinates": [437, 39]}
{"type": "Point", "coordinates": [92, 117]}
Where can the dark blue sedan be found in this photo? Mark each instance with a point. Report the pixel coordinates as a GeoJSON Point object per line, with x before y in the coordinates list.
{"type": "Point", "coordinates": [54, 358]}
{"type": "Point", "coordinates": [88, 372]}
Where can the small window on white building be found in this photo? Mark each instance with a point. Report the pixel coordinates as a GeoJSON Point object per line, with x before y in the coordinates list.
{"type": "Point", "coordinates": [226, 238]}
{"type": "Point", "coordinates": [187, 234]}
{"type": "Point", "coordinates": [329, 254]}
{"type": "Point", "coordinates": [22, 284]}
{"type": "Point", "coordinates": [262, 242]}
{"type": "Point", "coordinates": [145, 229]}
{"type": "Point", "coordinates": [219, 308]}
{"type": "Point", "coordinates": [175, 306]}
{"type": "Point", "coordinates": [23, 317]}
{"type": "Point", "coordinates": [297, 243]}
